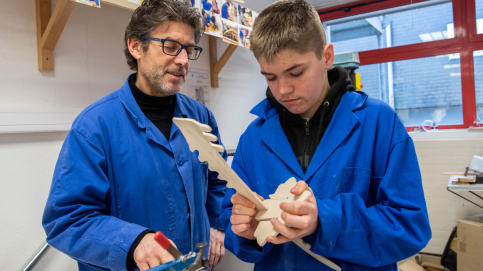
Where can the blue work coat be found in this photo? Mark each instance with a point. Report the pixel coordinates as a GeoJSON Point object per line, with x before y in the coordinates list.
{"type": "Point", "coordinates": [117, 175]}
{"type": "Point", "coordinates": [366, 181]}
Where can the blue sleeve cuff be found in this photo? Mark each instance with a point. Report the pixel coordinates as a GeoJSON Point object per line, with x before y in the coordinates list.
{"type": "Point", "coordinates": [245, 249]}
{"type": "Point", "coordinates": [324, 239]}
{"type": "Point", "coordinates": [120, 249]}
{"type": "Point", "coordinates": [311, 238]}
{"type": "Point", "coordinates": [215, 223]}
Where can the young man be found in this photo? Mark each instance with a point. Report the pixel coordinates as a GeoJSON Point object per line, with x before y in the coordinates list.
{"type": "Point", "coordinates": [367, 210]}
{"type": "Point", "coordinates": [125, 171]}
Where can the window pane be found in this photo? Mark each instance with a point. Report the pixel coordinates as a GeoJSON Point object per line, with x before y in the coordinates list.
{"type": "Point", "coordinates": [418, 89]}
{"type": "Point", "coordinates": [398, 26]}
{"type": "Point", "coordinates": [479, 16]}
{"type": "Point", "coordinates": [478, 63]}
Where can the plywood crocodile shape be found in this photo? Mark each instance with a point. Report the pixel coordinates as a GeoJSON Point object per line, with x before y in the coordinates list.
{"type": "Point", "coordinates": [199, 138]}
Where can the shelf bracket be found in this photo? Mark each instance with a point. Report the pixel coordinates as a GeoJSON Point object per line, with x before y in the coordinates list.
{"type": "Point", "coordinates": [49, 29]}
{"type": "Point", "coordinates": [217, 64]}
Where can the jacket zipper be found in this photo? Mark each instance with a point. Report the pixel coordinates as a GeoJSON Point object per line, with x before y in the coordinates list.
{"type": "Point", "coordinates": [304, 154]}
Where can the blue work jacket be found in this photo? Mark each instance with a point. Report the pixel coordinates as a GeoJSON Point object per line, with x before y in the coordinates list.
{"type": "Point", "coordinates": [117, 175]}
{"type": "Point", "coordinates": [366, 181]}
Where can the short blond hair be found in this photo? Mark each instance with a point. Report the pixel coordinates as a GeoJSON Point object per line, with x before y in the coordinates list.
{"type": "Point", "coordinates": [287, 24]}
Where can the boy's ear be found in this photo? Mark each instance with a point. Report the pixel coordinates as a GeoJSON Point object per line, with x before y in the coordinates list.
{"type": "Point", "coordinates": [328, 55]}
{"type": "Point", "coordinates": [135, 47]}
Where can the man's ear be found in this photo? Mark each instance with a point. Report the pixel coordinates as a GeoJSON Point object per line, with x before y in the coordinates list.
{"type": "Point", "coordinates": [135, 47]}
{"type": "Point", "coordinates": [328, 55]}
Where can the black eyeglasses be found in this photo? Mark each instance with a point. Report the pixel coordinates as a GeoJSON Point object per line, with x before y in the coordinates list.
{"type": "Point", "coordinates": [173, 48]}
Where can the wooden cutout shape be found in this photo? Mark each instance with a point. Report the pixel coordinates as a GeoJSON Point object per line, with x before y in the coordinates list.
{"type": "Point", "coordinates": [306, 247]}
{"type": "Point", "coordinates": [199, 138]}
{"type": "Point", "coordinates": [282, 194]}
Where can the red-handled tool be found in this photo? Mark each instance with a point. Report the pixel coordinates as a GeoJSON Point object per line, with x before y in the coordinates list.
{"type": "Point", "coordinates": [166, 244]}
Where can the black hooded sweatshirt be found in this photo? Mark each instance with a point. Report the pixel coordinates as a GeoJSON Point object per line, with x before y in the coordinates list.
{"type": "Point", "coordinates": [304, 136]}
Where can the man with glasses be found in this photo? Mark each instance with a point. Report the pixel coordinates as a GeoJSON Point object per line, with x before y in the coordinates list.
{"type": "Point", "coordinates": [125, 170]}
{"type": "Point", "coordinates": [367, 209]}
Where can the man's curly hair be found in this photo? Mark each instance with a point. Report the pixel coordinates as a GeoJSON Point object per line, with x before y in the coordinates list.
{"type": "Point", "coordinates": [153, 13]}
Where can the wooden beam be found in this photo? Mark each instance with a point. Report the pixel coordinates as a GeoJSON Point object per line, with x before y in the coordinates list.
{"type": "Point", "coordinates": [216, 65]}
{"type": "Point", "coordinates": [213, 59]}
{"type": "Point", "coordinates": [43, 13]}
{"type": "Point", "coordinates": [49, 29]}
{"type": "Point", "coordinates": [122, 4]}
{"type": "Point", "coordinates": [224, 58]}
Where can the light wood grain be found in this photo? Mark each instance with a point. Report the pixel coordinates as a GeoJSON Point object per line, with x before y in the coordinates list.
{"type": "Point", "coordinates": [199, 139]}
{"type": "Point", "coordinates": [122, 4]}
{"type": "Point", "coordinates": [49, 29]}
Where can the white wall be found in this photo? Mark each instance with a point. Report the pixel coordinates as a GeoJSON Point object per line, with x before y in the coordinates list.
{"type": "Point", "coordinates": [89, 63]}
{"type": "Point", "coordinates": [241, 88]}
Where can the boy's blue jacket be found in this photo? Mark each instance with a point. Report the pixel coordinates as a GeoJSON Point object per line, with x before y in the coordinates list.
{"type": "Point", "coordinates": [366, 181]}
{"type": "Point", "coordinates": [117, 175]}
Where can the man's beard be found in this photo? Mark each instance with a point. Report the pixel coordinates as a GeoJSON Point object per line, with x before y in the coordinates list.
{"type": "Point", "coordinates": [158, 83]}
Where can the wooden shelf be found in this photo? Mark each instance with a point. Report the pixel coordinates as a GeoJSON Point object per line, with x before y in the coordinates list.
{"type": "Point", "coordinates": [50, 27]}
{"type": "Point", "coordinates": [472, 188]}
{"type": "Point", "coordinates": [121, 3]}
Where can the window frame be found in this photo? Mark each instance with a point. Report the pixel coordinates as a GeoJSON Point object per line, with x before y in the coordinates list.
{"type": "Point", "coordinates": [465, 42]}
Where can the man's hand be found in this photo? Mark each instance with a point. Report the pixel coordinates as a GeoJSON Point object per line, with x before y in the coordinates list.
{"type": "Point", "coordinates": [217, 247]}
{"type": "Point", "coordinates": [301, 217]}
{"type": "Point", "coordinates": [243, 217]}
{"type": "Point", "coordinates": [149, 253]}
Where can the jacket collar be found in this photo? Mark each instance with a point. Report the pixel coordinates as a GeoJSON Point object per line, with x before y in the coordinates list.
{"type": "Point", "coordinates": [340, 127]}
{"type": "Point", "coordinates": [127, 99]}
{"type": "Point", "coordinates": [138, 117]}
{"type": "Point", "coordinates": [264, 110]}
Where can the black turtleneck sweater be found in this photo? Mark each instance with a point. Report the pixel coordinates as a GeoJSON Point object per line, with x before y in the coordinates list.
{"type": "Point", "coordinates": [304, 136]}
{"type": "Point", "coordinates": [159, 110]}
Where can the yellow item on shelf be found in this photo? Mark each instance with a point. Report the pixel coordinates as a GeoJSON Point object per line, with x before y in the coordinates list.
{"type": "Point", "coordinates": [358, 83]}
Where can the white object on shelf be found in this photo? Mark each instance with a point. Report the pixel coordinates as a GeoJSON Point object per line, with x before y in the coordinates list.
{"type": "Point", "coordinates": [477, 163]}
